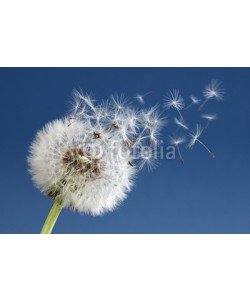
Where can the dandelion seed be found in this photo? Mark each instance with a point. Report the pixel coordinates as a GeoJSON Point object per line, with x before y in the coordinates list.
{"type": "Point", "coordinates": [151, 121]}
{"type": "Point", "coordinates": [194, 101]}
{"type": "Point", "coordinates": [214, 90]}
{"type": "Point", "coordinates": [195, 137]}
{"type": "Point", "coordinates": [176, 142]}
{"type": "Point", "coordinates": [80, 97]}
{"type": "Point", "coordinates": [174, 100]}
{"type": "Point", "coordinates": [140, 98]}
{"type": "Point", "coordinates": [147, 160]}
{"type": "Point", "coordinates": [81, 105]}
{"type": "Point", "coordinates": [180, 123]}
{"type": "Point", "coordinates": [96, 135]}
{"type": "Point", "coordinates": [209, 118]}
{"type": "Point", "coordinates": [152, 118]}
{"type": "Point", "coordinates": [119, 102]}
{"type": "Point", "coordinates": [114, 125]}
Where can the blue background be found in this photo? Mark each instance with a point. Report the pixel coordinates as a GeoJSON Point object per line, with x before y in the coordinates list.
{"type": "Point", "coordinates": [204, 195]}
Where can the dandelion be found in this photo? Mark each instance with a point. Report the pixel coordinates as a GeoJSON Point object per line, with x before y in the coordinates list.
{"type": "Point", "coordinates": [140, 98]}
{"type": "Point", "coordinates": [194, 101]}
{"type": "Point", "coordinates": [89, 166]}
{"type": "Point", "coordinates": [214, 90]}
{"type": "Point", "coordinates": [209, 118]}
{"type": "Point", "coordinates": [176, 142]}
{"type": "Point", "coordinates": [174, 100]}
{"type": "Point", "coordinates": [195, 137]}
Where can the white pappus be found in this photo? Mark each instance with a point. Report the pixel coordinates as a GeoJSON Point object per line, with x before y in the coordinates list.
{"type": "Point", "coordinates": [176, 142]}
{"type": "Point", "coordinates": [195, 137]}
{"type": "Point", "coordinates": [140, 97]}
{"type": "Point", "coordinates": [214, 90]}
{"type": "Point", "coordinates": [194, 101]}
{"type": "Point", "coordinates": [174, 100]}
{"type": "Point", "coordinates": [209, 118]}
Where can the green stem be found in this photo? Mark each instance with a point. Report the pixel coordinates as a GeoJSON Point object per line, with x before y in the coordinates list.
{"type": "Point", "coordinates": [52, 216]}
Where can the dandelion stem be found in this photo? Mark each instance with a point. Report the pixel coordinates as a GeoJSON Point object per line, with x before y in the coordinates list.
{"type": "Point", "coordinates": [52, 216]}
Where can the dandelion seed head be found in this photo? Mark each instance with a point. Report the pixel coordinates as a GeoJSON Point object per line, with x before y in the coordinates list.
{"type": "Point", "coordinates": [89, 162]}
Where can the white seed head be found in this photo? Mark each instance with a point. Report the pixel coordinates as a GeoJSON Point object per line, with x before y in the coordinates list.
{"type": "Point", "coordinates": [87, 159]}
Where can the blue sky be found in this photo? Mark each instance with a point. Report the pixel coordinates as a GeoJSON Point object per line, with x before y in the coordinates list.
{"type": "Point", "coordinates": [204, 195]}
